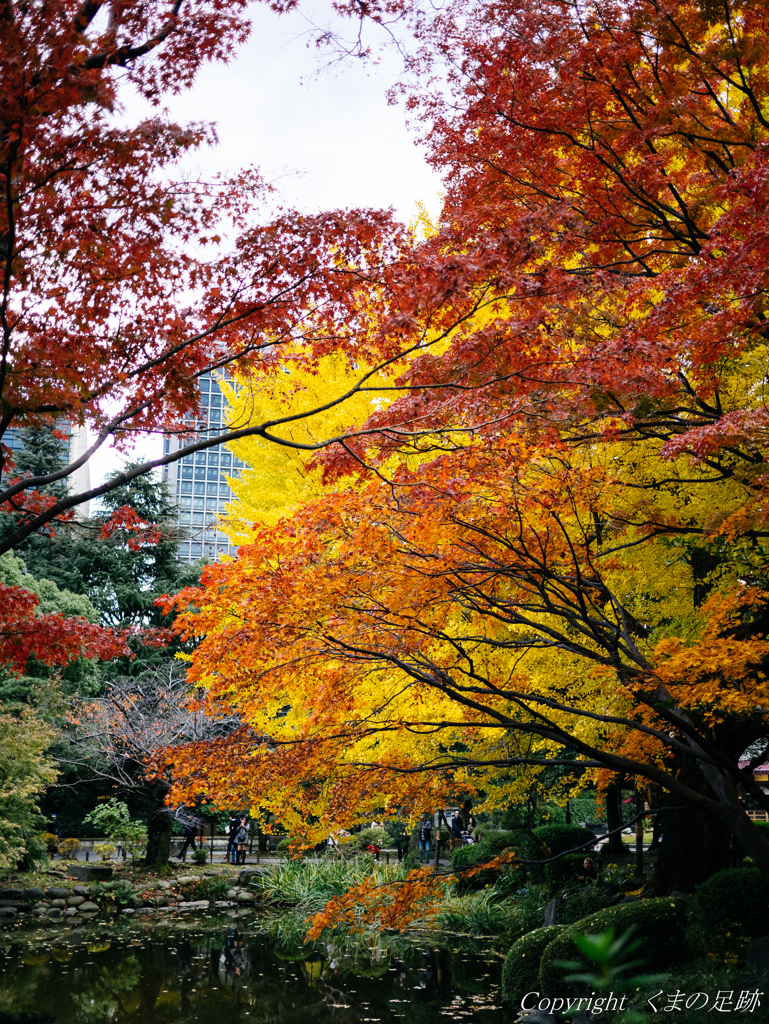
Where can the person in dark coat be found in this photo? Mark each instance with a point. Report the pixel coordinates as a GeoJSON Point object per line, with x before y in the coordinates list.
{"type": "Point", "coordinates": [425, 836]}
{"type": "Point", "coordinates": [401, 843]}
{"type": "Point", "coordinates": [241, 840]}
{"type": "Point", "coordinates": [190, 831]}
{"type": "Point", "coordinates": [232, 846]}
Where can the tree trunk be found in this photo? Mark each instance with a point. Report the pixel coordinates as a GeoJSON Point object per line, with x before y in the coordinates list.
{"type": "Point", "coordinates": [658, 819]}
{"type": "Point", "coordinates": [639, 834]}
{"type": "Point", "coordinates": [158, 828]}
{"type": "Point", "coordinates": [614, 818]}
{"type": "Point", "coordinates": [694, 845]}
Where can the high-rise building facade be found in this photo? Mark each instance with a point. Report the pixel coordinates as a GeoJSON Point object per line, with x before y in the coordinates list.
{"type": "Point", "coordinates": [198, 482]}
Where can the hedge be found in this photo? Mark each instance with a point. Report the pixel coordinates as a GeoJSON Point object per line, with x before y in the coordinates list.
{"type": "Point", "coordinates": [520, 973]}
{"type": "Point", "coordinates": [584, 902]}
{"type": "Point", "coordinates": [469, 856]}
{"type": "Point", "coordinates": [732, 906]}
{"type": "Point", "coordinates": [492, 844]}
{"type": "Point", "coordinates": [555, 839]}
{"type": "Point", "coordinates": [658, 924]}
{"type": "Point", "coordinates": [544, 841]}
{"type": "Point", "coordinates": [560, 838]}
{"type": "Point", "coordinates": [496, 842]}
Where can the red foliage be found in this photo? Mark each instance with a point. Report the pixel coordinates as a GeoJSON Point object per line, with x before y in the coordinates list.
{"type": "Point", "coordinates": [49, 638]}
{"type": "Point", "coordinates": [138, 531]}
{"type": "Point", "coordinates": [604, 242]}
{"type": "Point", "coordinates": [119, 284]}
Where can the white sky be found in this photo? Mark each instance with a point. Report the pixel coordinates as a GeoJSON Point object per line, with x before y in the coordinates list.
{"type": "Point", "coordinates": [326, 139]}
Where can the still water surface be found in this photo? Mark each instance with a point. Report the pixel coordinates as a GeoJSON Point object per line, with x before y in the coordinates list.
{"type": "Point", "coordinates": [234, 972]}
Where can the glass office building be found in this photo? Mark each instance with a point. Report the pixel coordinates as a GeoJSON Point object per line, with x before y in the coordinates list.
{"type": "Point", "coordinates": [197, 482]}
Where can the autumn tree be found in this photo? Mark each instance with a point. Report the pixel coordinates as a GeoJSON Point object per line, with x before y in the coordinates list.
{"type": "Point", "coordinates": [277, 478]}
{"type": "Point", "coordinates": [114, 737]}
{"type": "Point", "coordinates": [73, 672]}
{"type": "Point", "coordinates": [565, 544]}
{"type": "Point", "coordinates": [123, 281]}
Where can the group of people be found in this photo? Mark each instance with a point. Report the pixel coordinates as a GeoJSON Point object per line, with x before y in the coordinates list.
{"type": "Point", "coordinates": [460, 832]}
{"type": "Point", "coordinates": [237, 839]}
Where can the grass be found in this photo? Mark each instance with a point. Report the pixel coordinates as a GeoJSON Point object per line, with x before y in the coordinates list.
{"type": "Point", "coordinates": [309, 885]}
{"type": "Point", "coordinates": [487, 913]}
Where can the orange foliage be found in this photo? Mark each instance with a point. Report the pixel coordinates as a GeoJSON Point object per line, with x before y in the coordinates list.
{"type": "Point", "coordinates": [563, 546]}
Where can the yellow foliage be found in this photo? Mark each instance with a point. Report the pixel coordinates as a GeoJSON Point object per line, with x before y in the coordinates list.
{"type": "Point", "coordinates": [279, 477]}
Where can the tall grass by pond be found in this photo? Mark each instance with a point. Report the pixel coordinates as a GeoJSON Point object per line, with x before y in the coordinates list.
{"type": "Point", "coordinates": [489, 913]}
{"type": "Point", "coordinates": [307, 886]}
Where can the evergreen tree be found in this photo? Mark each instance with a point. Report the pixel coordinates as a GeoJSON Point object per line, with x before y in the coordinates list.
{"type": "Point", "coordinates": [120, 573]}
{"type": "Point", "coordinates": [43, 451]}
{"type": "Point", "coordinates": [123, 575]}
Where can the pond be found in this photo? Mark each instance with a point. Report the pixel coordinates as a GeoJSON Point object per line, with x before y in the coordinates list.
{"type": "Point", "coordinates": [237, 970]}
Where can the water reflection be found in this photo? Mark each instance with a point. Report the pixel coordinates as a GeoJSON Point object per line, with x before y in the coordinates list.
{"type": "Point", "coordinates": [237, 974]}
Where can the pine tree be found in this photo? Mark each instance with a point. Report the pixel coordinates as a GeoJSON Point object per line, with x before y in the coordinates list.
{"type": "Point", "coordinates": [43, 451]}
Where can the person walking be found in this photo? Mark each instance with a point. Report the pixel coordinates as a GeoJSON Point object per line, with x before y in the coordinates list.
{"type": "Point", "coordinates": [425, 837]}
{"type": "Point", "coordinates": [232, 846]}
{"type": "Point", "coordinates": [190, 831]}
{"type": "Point", "coordinates": [241, 840]}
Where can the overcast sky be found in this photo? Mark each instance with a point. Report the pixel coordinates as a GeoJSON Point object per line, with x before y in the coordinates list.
{"type": "Point", "coordinates": [329, 139]}
{"type": "Point", "coordinates": [326, 139]}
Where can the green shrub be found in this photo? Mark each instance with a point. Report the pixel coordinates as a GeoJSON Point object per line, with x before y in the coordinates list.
{"type": "Point", "coordinates": [120, 892]}
{"type": "Point", "coordinates": [366, 837]}
{"type": "Point", "coordinates": [550, 840]}
{"type": "Point", "coordinates": [587, 901]}
{"type": "Point", "coordinates": [731, 907]}
{"type": "Point", "coordinates": [200, 856]}
{"type": "Point", "coordinates": [466, 857]}
{"type": "Point", "coordinates": [469, 856]}
{"type": "Point", "coordinates": [492, 844]}
{"type": "Point", "coordinates": [213, 888]}
{"type": "Point", "coordinates": [553, 839]}
{"type": "Point", "coordinates": [709, 976]}
{"type": "Point", "coordinates": [567, 869]}
{"type": "Point", "coordinates": [658, 924]}
{"type": "Point", "coordinates": [520, 973]}
{"type": "Point", "coordinates": [519, 839]}
{"type": "Point", "coordinates": [113, 818]}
